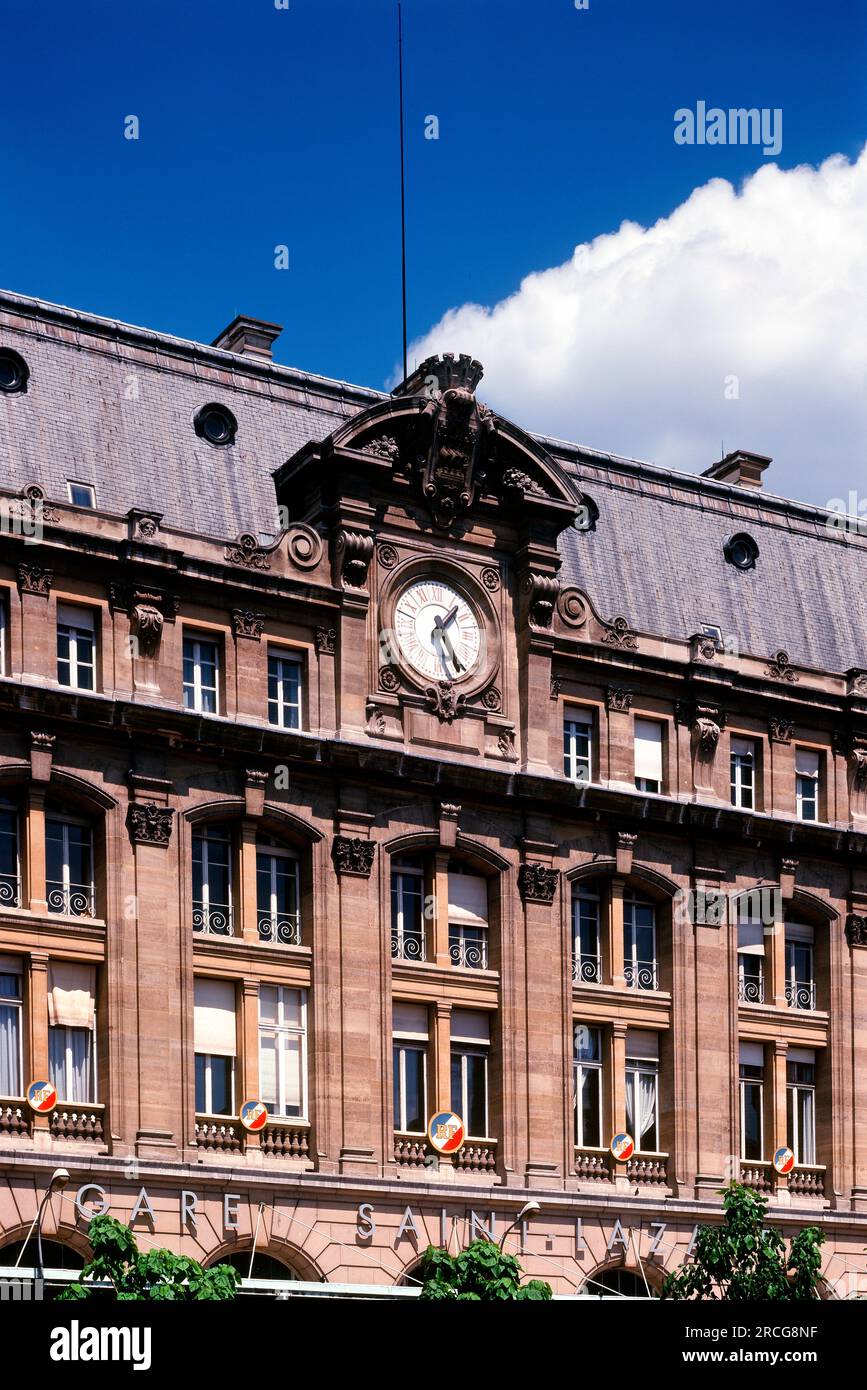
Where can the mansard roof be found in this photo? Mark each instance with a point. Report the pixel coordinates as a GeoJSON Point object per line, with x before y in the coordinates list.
{"type": "Point", "coordinates": [113, 405]}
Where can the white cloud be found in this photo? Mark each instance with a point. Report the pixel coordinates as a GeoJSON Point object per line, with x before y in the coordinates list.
{"type": "Point", "coordinates": [628, 345]}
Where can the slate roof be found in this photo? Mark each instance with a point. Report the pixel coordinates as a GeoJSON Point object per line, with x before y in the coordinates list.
{"type": "Point", "coordinates": [112, 405]}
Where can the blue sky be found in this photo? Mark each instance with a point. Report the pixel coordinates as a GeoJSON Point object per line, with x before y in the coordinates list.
{"type": "Point", "coordinates": [262, 126]}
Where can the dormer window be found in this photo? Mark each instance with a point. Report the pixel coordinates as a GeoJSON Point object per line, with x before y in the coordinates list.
{"type": "Point", "coordinates": [13, 372]}
{"type": "Point", "coordinates": [81, 494]}
{"type": "Point", "coordinates": [216, 424]}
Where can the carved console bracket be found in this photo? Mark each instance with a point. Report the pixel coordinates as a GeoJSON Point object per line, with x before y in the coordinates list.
{"type": "Point", "coordinates": [41, 755]}
{"type": "Point", "coordinates": [856, 929]}
{"type": "Point", "coordinates": [353, 552]}
{"type": "Point", "coordinates": [353, 855]}
{"type": "Point", "coordinates": [537, 883]}
{"type": "Point", "coordinates": [33, 579]}
{"type": "Point", "coordinates": [449, 817]}
{"type": "Point", "coordinates": [781, 730]}
{"type": "Point", "coordinates": [625, 849]}
{"type": "Point", "coordinates": [247, 551]}
{"type": "Point", "coordinates": [542, 590]}
{"type": "Point", "coordinates": [149, 824]}
{"type": "Point", "coordinates": [248, 624]}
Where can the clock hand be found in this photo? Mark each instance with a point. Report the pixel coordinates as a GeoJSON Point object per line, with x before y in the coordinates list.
{"type": "Point", "coordinates": [440, 638]}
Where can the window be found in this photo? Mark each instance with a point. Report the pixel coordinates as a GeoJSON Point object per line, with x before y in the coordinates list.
{"type": "Point", "coordinates": [741, 551]}
{"type": "Point", "coordinates": [284, 691]}
{"type": "Point", "coordinates": [471, 1038]}
{"type": "Point", "coordinates": [648, 755]}
{"type": "Point", "coordinates": [212, 880]}
{"type": "Point", "coordinates": [801, 1104]}
{"type": "Point", "coordinates": [642, 1087]}
{"type": "Point", "coordinates": [743, 773]}
{"type": "Point", "coordinates": [201, 675]}
{"type": "Point", "coordinates": [751, 962]}
{"type": "Point", "coordinates": [407, 910]}
{"type": "Point", "coordinates": [578, 746]}
{"type": "Point", "coordinates": [3, 626]}
{"type": "Point", "coordinates": [283, 1049]}
{"type": "Point", "coordinates": [639, 942]}
{"type": "Point", "coordinates": [69, 866]}
{"type": "Point", "coordinates": [13, 371]}
{"type": "Point", "coordinates": [715, 631]}
{"type": "Point", "coordinates": [800, 978]}
{"type": "Point", "coordinates": [11, 1030]}
{"type": "Point", "coordinates": [468, 920]}
{"type": "Point", "coordinates": [10, 879]}
{"type": "Point", "coordinates": [752, 1075]}
{"type": "Point", "coordinates": [81, 494]}
{"type": "Point", "coordinates": [410, 1044]}
{"type": "Point", "coordinates": [278, 893]}
{"type": "Point", "coordinates": [75, 647]}
{"type": "Point", "coordinates": [214, 1033]}
{"type": "Point", "coordinates": [807, 783]}
{"type": "Point", "coordinates": [71, 1035]}
{"type": "Point", "coordinates": [216, 424]}
{"type": "Point", "coordinates": [586, 948]}
{"type": "Point", "coordinates": [588, 1086]}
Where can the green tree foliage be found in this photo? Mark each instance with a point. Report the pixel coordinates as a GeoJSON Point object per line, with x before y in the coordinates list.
{"type": "Point", "coordinates": [158, 1276]}
{"type": "Point", "coordinates": [481, 1273]}
{"type": "Point", "coordinates": [745, 1261]}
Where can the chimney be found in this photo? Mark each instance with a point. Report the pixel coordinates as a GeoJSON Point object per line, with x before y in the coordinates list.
{"type": "Point", "coordinates": [740, 468]}
{"type": "Point", "coordinates": [249, 337]}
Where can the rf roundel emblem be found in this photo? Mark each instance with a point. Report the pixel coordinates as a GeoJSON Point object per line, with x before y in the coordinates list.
{"type": "Point", "coordinates": [254, 1114]}
{"type": "Point", "coordinates": [446, 1132]}
{"type": "Point", "coordinates": [784, 1160]}
{"type": "Point", "coordinates": [41, 1096]}
{"type": "Point", "coordinates": [622, 1147]}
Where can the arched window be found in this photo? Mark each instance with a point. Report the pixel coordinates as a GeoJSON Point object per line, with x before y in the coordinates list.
{"type": "Point", "coordinates": [586, 932]}
{"type": "Point", "coordinates": [278, 892]}
{"type": "Point", "coordinates": [10, 866]}
{"type": "Point", "coordinates": [212, 880]}
{"type": "Point", "coordinates": [69, 863]}
{"type": "Point", "coordinates": [640, 960]}
{"type": "Point", "coordinates": [618, 1283]}
{"type": "Point", "coordinates": [263, 1266]}
{"type": "Point", "coordinates": [407, 908]}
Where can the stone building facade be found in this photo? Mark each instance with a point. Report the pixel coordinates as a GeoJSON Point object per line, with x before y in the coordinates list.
{"type": "Point", "coordinates": [371, 757]}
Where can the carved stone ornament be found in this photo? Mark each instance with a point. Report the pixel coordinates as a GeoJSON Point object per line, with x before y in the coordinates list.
{"type": "Point", "coordinates": [537, 883]}
{"type": "Point", "coordinates": [556, 687]}
{"type": "Point", "coordinates": [572, 608]}
{"type": "Point", "coordinates": [506, 743]}
{"type": "Point", "coordinates": [256, 777]}
{"type": "Point", "coordinates": [857, 681]}
{"type": "Point", "coordinates": [304, 547]}
{"type": "Point", "coordinates": [247, 551]}
{"type": "Point", "coordinates": [492, 699]}
{"type": "Point", "coordinates": [148, 624]}
{"type": "Point", "coordinates": [143, 526]}
{"type": "Point", "coordinates": [248, 624]}
{"type": "Point", "coordinates": [44, 742]}
{"type": "Point", "coordinates": [491, 579]}
{"type": "Point", "coordinates": [781, 730]}
{"type": "Point", "coordinates": [384, 447]}
{"type": "Point", "coordinates": [376, 721]}
{"type": "Point", "coordinates": [618, 700]}
{"type": "Point", "coordinates": [33, 579]}
{"type": "Point", "coordinates": [708, 736]}
{"type": "Point", "coordinates": [856, 929]}
{"type": "Point", "coordinates": [149, 824]}
{"type": "Point", "coordinates": [443, 702]}
{"type": "Point", "coordinates": [387, 556]}
{"type": "Point", "coordinates": [353, 856]}
{"type": "Point", "coordinates": [619, 634]}
{"type": "Point", "coordinates": [354, 551]}
{"type": "Point", "coordinates": [543, 590]}
{"type": "Point", "coordinates": [454, 466]}
{"type": "Point", "coordinates": [789, 866]}
{"type": "Point", "coordinates": [517, 484]}
{"type": "Point", "coordinates": [781, 668]}
{"type": "Point", "coordinates": [34, 495]}
{"type": "Point", "coordinates": [326, 640]}
{"type": "Point", "coordinates": [703, 647]}
{"type": "Point", "coordinates": [389, 679]}
{"type": "Point", "coordinates": [859, 767]}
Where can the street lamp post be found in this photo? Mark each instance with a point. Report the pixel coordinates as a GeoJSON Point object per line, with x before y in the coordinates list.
{"type": "Point", "coordinates": [59, 1179]}
{"type": "Point", "coordinates": [528, 1209]}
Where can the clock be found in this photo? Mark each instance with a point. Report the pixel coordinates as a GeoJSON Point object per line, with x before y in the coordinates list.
{"type": "Point", "coordinates": [437, 631]}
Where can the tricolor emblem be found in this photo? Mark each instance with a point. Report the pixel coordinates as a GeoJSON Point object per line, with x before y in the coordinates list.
{"type": "Point", "coordinates": [254, 1114]}
{"type": "Point", "coordinates": [784, 1160]}
{"type": "Point", "coordinates": [622, 1147]}
{"type": "Point", "coordinates": [41, 1096]}
{"type": "Point", "coordinates": [446, 1132]}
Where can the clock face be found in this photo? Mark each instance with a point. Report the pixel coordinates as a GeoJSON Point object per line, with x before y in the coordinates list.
{"type": "Point", "coordinates": [437, 631]}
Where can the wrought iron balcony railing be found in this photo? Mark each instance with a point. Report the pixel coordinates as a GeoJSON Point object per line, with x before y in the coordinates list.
{"type": "Point", "coordinates": [215, 919]}
{"type": "Point", "coordinates": [280, 928]}
{"type": "Point", "coordinates": [586, 970]}
{"type": "Point", "coordinates": [71, 899]}
{"type": "Point", "coordinates": [801, 994]}
{"type": "Point", "coordinates": [407, 946]}
{"type": "Point", "coordinates": [10, 890]}
{"type": "Point", "coordinates": [751, 989]}
{"type": "Point", "coordinates": [468, 952]}
{"type": "Point", "coordinates": [640, 974]}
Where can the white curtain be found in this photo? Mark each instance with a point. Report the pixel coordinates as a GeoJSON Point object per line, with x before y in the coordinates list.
{"type": "Point", "coordinates": [71, 991]}
{"type": "Point", "coordinates": [807, 1135]}
{"type": "Point", "coordinates": [648, 749]}
{"type": "Point", "coordinates": [640, 1104]}
{"type": "Point", "coordinates": [10, 1050]}
{"type": "Point", "coordinates": [647, 1083]}
{"type": "Point", "coordinates": [70, 1053]}
{"type": "Point", "coordinates": [214, 1029]}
